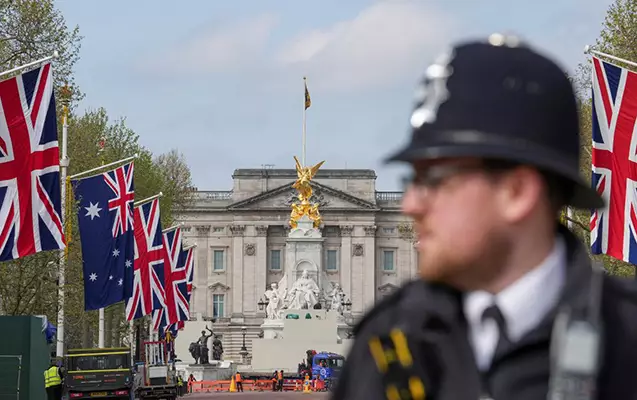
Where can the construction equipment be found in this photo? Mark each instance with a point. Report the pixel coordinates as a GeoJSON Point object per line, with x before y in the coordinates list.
{"type": "Point", "coordinates": [159, 379]}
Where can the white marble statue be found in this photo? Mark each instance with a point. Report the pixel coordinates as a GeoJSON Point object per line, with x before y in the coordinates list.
{"type": "Point", "coordinates": [304, 293]}
{"type": "Point", "coordinates": [338, 297]}
{"type": "Point", "coordinates": [276, 298]}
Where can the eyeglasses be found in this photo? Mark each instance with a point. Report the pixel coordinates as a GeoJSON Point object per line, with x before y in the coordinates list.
{"type": "Point", "coordinates": [433, 177]}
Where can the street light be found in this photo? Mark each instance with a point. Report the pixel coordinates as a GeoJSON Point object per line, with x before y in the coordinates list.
{"type": "Point", "coordinates": [262, 304]}
{"type": "Point", "coordinates": [244, 330]}
{"type": "Point", "coordinates": [347, 304]}
{"type": "Point", "coordinates": [244, 350]}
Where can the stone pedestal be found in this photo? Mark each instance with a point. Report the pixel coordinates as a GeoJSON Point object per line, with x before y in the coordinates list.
{"type": "Point", "coordinates": [324, 331]}
{"type": "Point", "coordinates": [303, 251]}
{"type": "Point", "coordinates": [272, 328]}
{"type": "Point", "coordinates": [216, 370]}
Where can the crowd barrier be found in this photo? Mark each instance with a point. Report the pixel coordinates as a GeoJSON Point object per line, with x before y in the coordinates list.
{"type": "Point", "coordinates": [260, 385]}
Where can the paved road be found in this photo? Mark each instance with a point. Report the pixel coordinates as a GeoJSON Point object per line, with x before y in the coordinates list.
{"type": "Point", "coordinates": [259, 396]}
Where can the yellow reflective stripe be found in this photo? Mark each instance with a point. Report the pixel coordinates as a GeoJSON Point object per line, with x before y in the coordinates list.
{"type": "Point", "coordinates": [99, 370]}
{"type": "Point", "coordinates": [392, 393]}
{"type": "Point", "coordinates": [376, 349]}
{"type": "Point", "coordinates": [51, 377]}
{"type": "Point", "coordinates": [417, 388]}
{"type": "Point", "coordinates": [98, 354]}
{"type": "Point", "coordinates": [402, 350]}
{"type": "Point", "coordinates": [70, 351]}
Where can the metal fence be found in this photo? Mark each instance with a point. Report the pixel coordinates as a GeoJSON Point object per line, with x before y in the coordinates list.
{"type": "Point", "coordinates": [10, 369]}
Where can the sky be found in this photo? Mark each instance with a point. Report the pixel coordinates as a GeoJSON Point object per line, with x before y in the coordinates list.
{"type": "Point", "coordinates": [222, 81]}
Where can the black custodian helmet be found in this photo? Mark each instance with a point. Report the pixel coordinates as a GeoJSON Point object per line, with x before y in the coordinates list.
{"type": "Point", "coordinates": [499, 99]}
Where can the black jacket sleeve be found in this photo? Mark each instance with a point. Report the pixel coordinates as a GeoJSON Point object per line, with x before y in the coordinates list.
{"type": "Point", "coordinates": [360, 378]}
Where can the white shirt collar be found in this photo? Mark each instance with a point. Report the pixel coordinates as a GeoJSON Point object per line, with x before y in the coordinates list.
{"type": "Point", "coordinates": [527, 301]}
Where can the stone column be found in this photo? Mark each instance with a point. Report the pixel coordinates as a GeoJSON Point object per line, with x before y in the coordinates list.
{"type": "Point", "coordinates": [369, 270]}
{"type": "Point", "coordinates": [203, 267]}
{"type": "Point", "coordinates": [261, 266]}
{"type": "Point", "coordinates": [346, 259]}
{"type": "Point", "coordinates": [358, 271]}
{"type": "Point", "coordinates": [236, 267]}
{"type": "Point", "coordinates": [413, 247]}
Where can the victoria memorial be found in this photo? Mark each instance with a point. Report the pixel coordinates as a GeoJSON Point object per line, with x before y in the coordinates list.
{"type": "Point", "coordinates": [241, 236]}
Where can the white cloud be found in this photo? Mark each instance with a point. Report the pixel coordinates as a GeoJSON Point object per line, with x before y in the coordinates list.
{"type": "Point", "coordinates": [220, 49]}
{"type": "Point", "coordinates": [388, 41]}
{"type": "Point", "coordinates": [385, 42]}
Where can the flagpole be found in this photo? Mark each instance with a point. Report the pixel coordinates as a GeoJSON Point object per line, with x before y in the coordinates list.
{"type": "Point", "coordinates": [172, 228]}
{"type": "Point", "coordinates": [588, 50]}
{"type": "Point", "coordinates": [304, 129]}
{"type": "Point", "coordinates": [64, 164]}
{"type": "Point", "coordinates": [147, 199]}
{"type": "Point", "coordinates": [101, 341]}
{"type": "Point", "coordinates": [81, 174]}
{"type": "Point", "coordinates": [31, 64]}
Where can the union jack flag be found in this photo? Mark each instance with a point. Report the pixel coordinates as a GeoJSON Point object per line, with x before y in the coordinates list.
{"type": "Point", "coordinates": [160, 325]}
{"type": "Point", "coordinates": [190, 267]}
{"type": "Point", "coordinates": [147, 292]}
{"type": "Point", "coordinates": [30, 203]}
{"type": "Point", "coordinates": [614, 161]}
{"type": "Point", "coordinates": [176, 277]}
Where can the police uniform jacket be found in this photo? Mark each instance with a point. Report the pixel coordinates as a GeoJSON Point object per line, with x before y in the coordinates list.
{"type": "Point", "coordinates": [423, 335]}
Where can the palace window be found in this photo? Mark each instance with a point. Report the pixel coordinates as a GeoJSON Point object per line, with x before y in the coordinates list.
{"type": "Point", "coordinates": [217, 260]}
{"type": "Point", "coordinates": [388, 260]}
{"type": "Point", "coordinates": [331, 262]}
{"type": "Point", "coordinates": [217, 305]}
{"type": "Point", "coordinates": [275, 259]}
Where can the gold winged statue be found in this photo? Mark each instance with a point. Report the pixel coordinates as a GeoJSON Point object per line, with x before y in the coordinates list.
{"type": "Point", "coordinates": [303, 186]}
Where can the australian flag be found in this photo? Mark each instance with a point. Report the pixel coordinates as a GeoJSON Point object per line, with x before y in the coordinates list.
{"type": "Point", "coordinates": [105, 214]}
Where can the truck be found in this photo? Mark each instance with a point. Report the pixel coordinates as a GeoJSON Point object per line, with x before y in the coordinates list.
{"type": "Point", "coordinates": [98, 373]}
{"type": "Point", "coordinates": [158, 378]}
{"type": "Point", "coordinates": [327, 365]}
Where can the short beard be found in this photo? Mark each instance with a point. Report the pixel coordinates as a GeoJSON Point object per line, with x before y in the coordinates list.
{"type": "Point", "coordinates": [481, 271]}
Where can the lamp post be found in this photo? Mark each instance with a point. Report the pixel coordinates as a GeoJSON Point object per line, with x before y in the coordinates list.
{"type": "Point", "coordinates": [347, 305]}
{"type": "Point", "coordinates": [262, 304]}
{"type": "Point", "coordinates": [244, 349]}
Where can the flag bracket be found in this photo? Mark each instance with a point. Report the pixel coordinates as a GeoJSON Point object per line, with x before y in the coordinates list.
{"type": "Point", "coordinates": [104, 166]}
{"type": "Point", "coordinates": [31, 64]}
{"type": "Point", "coordinates": [589, 50]}
{"type": "Point", "coordinates": [148, 199]}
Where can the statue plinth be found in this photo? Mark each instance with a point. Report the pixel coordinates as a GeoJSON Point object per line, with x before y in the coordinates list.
{"type": "Point", "coordinates": [215, 371]}
{"type": "Point", "coordinates": [303, 251]}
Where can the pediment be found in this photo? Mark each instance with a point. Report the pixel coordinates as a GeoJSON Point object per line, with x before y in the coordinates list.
{"type": "Point", "coordinates": [281, 198]}
{"type": "Point", "coordinates": [387, 288]}
{"type": "Point", "coordinates": [218, 287]}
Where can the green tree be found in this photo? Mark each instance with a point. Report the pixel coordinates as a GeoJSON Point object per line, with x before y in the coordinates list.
{"type": "Point", "coordinates": [34, 29]}
{"type": "Point", "coordinates": [167, 173]}
{"type": "Point", "coordinates": [617, 37]}
{"type": "Point", "coordinates": [31, 30]}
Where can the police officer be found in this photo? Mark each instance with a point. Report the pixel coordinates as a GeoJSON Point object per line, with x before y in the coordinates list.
{"type": "Point", "coordinates": [494, 152]}
{"type": "Point", "coordinates": [53, 381]}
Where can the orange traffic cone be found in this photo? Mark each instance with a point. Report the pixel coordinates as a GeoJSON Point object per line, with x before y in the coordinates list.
{"type": "Point", "coordinates": [233, 385]}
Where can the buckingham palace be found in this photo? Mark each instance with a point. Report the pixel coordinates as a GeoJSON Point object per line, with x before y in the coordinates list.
{"type": "Point", "coordinates": [241, 235]}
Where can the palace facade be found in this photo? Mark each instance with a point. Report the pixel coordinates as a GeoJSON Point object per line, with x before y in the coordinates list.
{"type": "Point", "coordinates": [241, 241]}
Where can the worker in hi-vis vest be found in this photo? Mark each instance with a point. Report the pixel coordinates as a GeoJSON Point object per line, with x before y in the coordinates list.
{"type": "Point", "coordinates": [53, 381]}
{"type": "Point", "coordinates": [238, 381]}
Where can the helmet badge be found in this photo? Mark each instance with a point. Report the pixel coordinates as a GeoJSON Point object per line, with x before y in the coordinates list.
{"type": "Point", "coordinates": [432, 92]}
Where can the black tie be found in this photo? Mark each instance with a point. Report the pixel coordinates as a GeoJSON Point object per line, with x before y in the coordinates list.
{"type": "Point", "coordinates": [494, 313]}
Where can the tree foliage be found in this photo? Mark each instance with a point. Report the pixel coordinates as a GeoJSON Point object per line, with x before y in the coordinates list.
{"type": "Point", "coordinates": [31, 30]}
